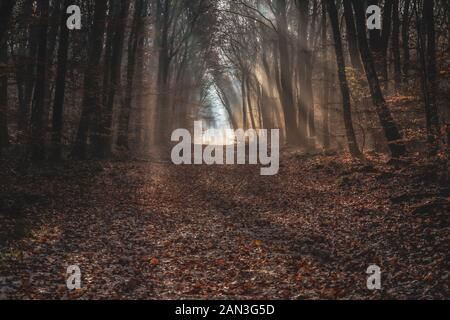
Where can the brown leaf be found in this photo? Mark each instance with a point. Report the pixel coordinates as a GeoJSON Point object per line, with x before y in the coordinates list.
{"type": "Point", "coordinates": [154, 261]}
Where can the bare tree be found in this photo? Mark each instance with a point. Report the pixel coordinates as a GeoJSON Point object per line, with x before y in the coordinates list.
{"type": "Point", "coordinates": [340, 60]}
{"type": "Point", "coordinates": [60, 90]}
{"type": "Point", "coordinates": [37, 133]}
{"type": "Point", "coordinates": [91, 101]}
{"type": "Point", "coordinates": [391, 132]}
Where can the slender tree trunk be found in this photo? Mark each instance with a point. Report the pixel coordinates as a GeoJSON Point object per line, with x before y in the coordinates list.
{"type": "Point", "coordinates": [385, 36]}
{"type": "Point", "coordinates": [260, 107]}
{"type": "Point", "coordinates": [326, 75]}
{"type": "Point", "coordinates": [6, 10]}
{"type": "Point", "coordinates": [52, 37]}
{"type": "Point", "coordinates": [266, 105]}
{"type": "Point", "coordinates": [287, 91]}
{"type": "Point", "coordinates": [125, 112]}
{"type": "Point", "coordinates": [391, 132]}
{"type": "Point", "coordinates": [308, 93]}
{"type": "Point", "coordinates": [346, 102]}
{"type": "Point", "coordinates": [375, 34]}
{"type": "Point", "coordinates": [309, 96]}
{"type": "Point", "coordinates": [58, 104]}
{"type": "Point", "coordinates": [37, 133]}
{"type": "Point", "coordinates": [302, 66]}
{"type": "Point", "coordinates": [112, 18]}
{"type": "Point", "coordinates": [31, 74]}
{"type": "Point", "coordinates": [163, 82]}
{"type": "Point", "coordinates": [4, 136]}
{"type": "Point", "coordinates": [244, 102]}
{"type": "Point", "coordinates": [432, 115]}
{"type": "Point", "coordinates": [103, 150]}
{"type": "Point", "coordinates": [91, 79]}
{"type": "Point", "coordinates": [396, 44]}
{"type": "Point", "coordinates": [27, 67]}
{"type": "Point", "coordinates": [351, 36]}
{"type": "Point", "coordinates": [405, 39]}
{"type": "Point", "coordinates": [447, 9]}
{"type": "Point", "coordinates": [140, 92]}
{"type": "Point", "coordinates": [250, 105]}
{"type": "Point", "coordinates": [20, 66]}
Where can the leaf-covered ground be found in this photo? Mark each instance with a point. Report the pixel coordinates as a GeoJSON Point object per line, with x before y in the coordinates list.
{"type": "Point", "coordinates": [151, 230]}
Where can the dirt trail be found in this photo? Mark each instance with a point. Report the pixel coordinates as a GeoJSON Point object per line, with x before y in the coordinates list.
{"type": "Point", "coordinates": [153, 230]}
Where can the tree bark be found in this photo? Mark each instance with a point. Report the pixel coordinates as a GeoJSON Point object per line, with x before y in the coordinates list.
{"type": "Point", "coordinates": [325, 82]}
{"type": "Point", "coordinates": [56, 11]}
{"type": "Point", "coordinates": [91, 79]}
{"type": "Point", "coordinates": [125, 112]}
{"type": "Point", "coordinates": [432, 116]}
{"type": "Point", "coordinates": [391, 132]}
{"type": "Point", "coordinates": [346, 102]}
{"type": "Point", "coordinates": [249, 102]}
{"type": "Point", "coordinates": [37, 133]}
{"type": "Point", "coordinates": [6, 10]}
{"type": "Point", "coordinates": [244, 101]}
{"type": "Point", "coordinates": [163, 82]}
{"type": "Point", "coordinates": [351, 36]}
{"type": "Point", "coordinates": [4, 136]}
{"type": "Point", "coordinates": [61, 71]}
{"type": "Point", "coordinates": [375, 34]}
{"type": "Point", "coordinates": [103, 149]}
{"type": "Point", "coordinates": [396, 44]}
{"type": "Point", "coordinates": [405, 39]}
{"type": "Point", "coordinates": [26, 65]}
{"type": "Point", "coordinates": [287, 93]}
{"type": "Point", "coordinates": [302, 66]}
{"type": "Point", "coordinates": [309, 91]}
{"type": "Point", "coordinates": [385, 36]}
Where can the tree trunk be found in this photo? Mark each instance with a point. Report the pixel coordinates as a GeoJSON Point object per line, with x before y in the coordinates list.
{"type": "Point", "coordinates": [308, 92]}
{"type": "Point", "coordinates": [244, 102]}
{"type": "Point", "coordinates": [163, 12]}
{"type": "Point", "coordinates": [249, 103]}
{"type": "Point", "coordinates": [91, 80]}
{"type": "Point", "coordinates": [309, 97]}
{"type": "Point", "coordinates": [346, 103]}
{"type": "Point", "coordinates": [287, 92]}
{"type": "Point", "coordinates": [375, 34]}
{"type": "Point", "coordinates": [385, 36]}
{"type": "Point", "coordinates": [125, 112]}
{"type": "Point", "coordinates": [26, 66]}
{"type": "Point", "coordinates": [351, 36]}
{"type": "Point", "coordinates": [6, 10]}
{"type": "Point", "coordinates": [37, 133]}
{"type": "Point", "coordinates": [325, 81]}
{"type": "Point", "coordinates": [103, 149]}
{"type": "Point", "coordinates": [58, 104]}
{"type": "Point", "coordinates": [405, 39]}
{"type": "Point", "coordinates": [432, 116]}
{"type": "Point", "coordinates": [112, 18]}
{"type": "Point", "coordinates": [4, 136]}
{"type": "Point", "coordinates": [141, 108]}
{"type": "Point", "coordinates": [396, 44]}
{"type": "Point", "coordinates": [302, 66]}
{"type": "Point", "coordinates": [52, 37]}
{"type": "Point", "coordinates": [447, 9]}
{"type": "Point", "coordinates": [390, 129]}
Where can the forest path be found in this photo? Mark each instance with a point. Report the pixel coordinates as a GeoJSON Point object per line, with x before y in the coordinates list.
{"type": "Point", "coordinates": [153, 230]}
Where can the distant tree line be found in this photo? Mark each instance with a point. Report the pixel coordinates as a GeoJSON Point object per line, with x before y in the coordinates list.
{"type": "Point", "coordinates": [139, 69]}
